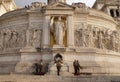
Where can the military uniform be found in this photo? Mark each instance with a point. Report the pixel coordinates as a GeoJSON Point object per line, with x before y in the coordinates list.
{"type": "Point", "coordinates": [58, 66]}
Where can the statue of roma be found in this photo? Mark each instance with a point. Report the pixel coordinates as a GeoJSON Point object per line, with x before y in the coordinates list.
{"type": "Point", "coordinates": [58, 28]}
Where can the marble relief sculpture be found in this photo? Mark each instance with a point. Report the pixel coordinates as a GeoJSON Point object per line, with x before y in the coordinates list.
{"type": "Point", "coordinates": [97, 38]}
{"type": "Point", "coordinates": [84, 37]}
{"type": "Point", "coordinates": [10, 38]}
{"type": "Point", "coordinates": [78, 37]}
{"type": "Point", "coordinates": [21, 38]}
{"type": "Point", "coordinates": [14, 38]}
{"type": "Point", "coordinates": [100, 40]}
{"type": "Point", "coordinates": [113, 40]}
{"type": "Point", "coordinates": [7, 38]}
{"type": "Point", "coordinates": [90, 37]}
{"type": "Point", "coordinates": [36, 39]}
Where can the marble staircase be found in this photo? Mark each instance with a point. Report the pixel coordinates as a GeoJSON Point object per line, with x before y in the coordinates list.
{"type": "Point", "coordinates": [51, 78]}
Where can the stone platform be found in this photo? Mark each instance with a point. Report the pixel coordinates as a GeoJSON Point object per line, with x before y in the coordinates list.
{"type": "Point", "coordinates": [34, 78]}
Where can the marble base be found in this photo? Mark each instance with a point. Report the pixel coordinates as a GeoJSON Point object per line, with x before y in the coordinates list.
{"type": "Point", "coordinates": [24, 68]}
{"type": "Point", "coordinates": [58, 46]}
{"type": "Point", "coordinates": [94, 61]}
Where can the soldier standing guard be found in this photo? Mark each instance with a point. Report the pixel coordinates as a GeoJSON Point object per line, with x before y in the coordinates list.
{"type": "Point", "coordinates": [58, 66]}
{"type": "Point", "coordinates": [77, 67]}
{"type": "Point", "coordinates": [36, 68]}
{"type": "Point", "coordinates": [40, 66]}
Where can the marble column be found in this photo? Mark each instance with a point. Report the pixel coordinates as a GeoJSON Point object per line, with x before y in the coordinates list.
{"type": "Point", "coordinates": [28, 32]}
{"type": "Point", "coordinates": [46, 33]}
{"type": "Point", "coordinates": [27, 38]}
{"type": "Point", "coordinates": [70, 32]}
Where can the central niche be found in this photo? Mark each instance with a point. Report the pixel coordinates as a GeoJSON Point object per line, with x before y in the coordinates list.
{"type": "Point", "coordinates": [58, 31]}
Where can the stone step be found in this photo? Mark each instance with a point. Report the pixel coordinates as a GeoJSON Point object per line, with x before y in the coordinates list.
{"type": "Point", "coordinates": [50, 78]}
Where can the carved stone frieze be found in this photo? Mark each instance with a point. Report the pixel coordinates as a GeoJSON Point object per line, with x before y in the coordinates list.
{"type": "Point", "coordinates": [11, 38]}
{"type": "Point", "coordinates": [97, 37]}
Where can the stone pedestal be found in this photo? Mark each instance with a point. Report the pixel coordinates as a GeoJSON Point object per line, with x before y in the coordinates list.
{"type": "Point", "coordinates": [58, 49]}
{"type": "Point", "coordinates": [29, 56]}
